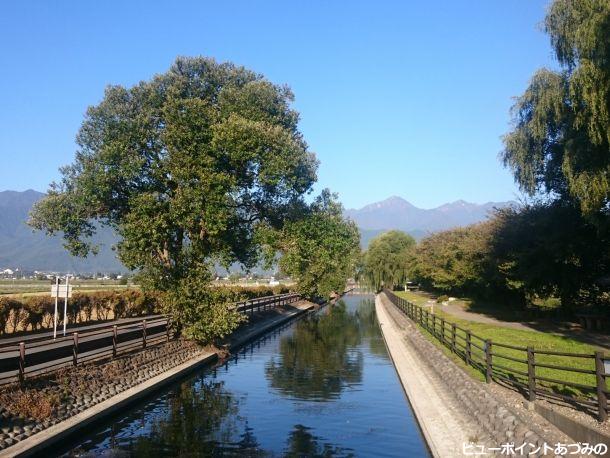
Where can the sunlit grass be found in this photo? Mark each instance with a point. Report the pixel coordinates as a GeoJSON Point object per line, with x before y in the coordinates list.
{"type": "Point", "coordinates": [540, 341]}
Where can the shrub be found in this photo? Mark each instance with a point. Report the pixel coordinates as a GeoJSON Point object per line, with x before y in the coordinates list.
{"type": "Point", "coordinates": [5, 311]}
{"type": "Point", "coordinates": [34, 310]}
{"type": "Point", "coordinates": [442, 298]}
{"type": "Point", "coordinates": [37, 311]}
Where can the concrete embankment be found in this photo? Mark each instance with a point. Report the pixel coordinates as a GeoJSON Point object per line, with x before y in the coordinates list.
{"type": "Point", "coordinates": [54, 434]}
{"type": "Point", "coordinates": [443, 428]}
{"type": "Point", "coordinates": [456, 413]}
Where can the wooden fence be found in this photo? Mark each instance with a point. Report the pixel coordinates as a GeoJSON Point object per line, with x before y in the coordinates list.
{"type": "Point", "coordinates": [531, 371]}
{"type": "Point", "coordinates": [36, 354]}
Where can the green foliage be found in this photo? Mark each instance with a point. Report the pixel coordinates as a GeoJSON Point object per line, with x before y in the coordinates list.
{"type": "Point", "coordinates": [318, 250]}
{"type": "Point", "coordinates": [551, 250]}
{"type": "Point", "coordinates": [387, 259]}
{"type": "Point", "coordinates": [561, 138]}
{"type": "Point", "coordinates": [456, 260]}
{"type": "Point", "coordinates": [201, 312]}
{"type": "Point", "coordinates": [186, 168]}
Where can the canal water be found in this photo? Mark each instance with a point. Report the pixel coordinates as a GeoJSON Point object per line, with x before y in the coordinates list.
{"type": "Point", "coordinates": [322, 386]}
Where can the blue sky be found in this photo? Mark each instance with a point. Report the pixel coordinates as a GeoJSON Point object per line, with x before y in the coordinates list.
{"type": "Point", "coordinates": [396, 98]}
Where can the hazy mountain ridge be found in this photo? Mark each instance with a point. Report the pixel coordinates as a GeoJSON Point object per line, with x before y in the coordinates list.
{"type": "Point", "coordinates": [22, 247]}
{"type": "Point", "coordinates": [397, 213]}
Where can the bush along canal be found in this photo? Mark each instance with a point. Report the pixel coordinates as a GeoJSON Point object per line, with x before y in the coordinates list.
{"type": "Point", "coordinates": [323, 385]}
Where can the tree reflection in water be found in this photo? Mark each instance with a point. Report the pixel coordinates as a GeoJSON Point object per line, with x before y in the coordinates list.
{"type": "Point", "coordinates": [369, 328]}
{"type": "Point", "coordinates": [199, 419]}
{"type": "Point", "coordinates": [320, 357]}
{"type": "Point", "coordinates": [302, 443]}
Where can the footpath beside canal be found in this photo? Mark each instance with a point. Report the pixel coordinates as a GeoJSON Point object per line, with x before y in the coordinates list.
{"type": "Point", "coordinates": [456, 413]}
{"type": "Point", "coordinates": [131, 378]}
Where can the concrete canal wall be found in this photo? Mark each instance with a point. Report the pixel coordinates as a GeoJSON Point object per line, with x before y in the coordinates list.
{"type": "Point", "coordinates": [452, 408]}
{"type": "Point", "coordinates": [61, 431]}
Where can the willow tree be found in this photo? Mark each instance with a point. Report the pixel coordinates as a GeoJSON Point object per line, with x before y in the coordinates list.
{"type": "Point", "coordinates": [559, 152]}
{"type": "Point", "coordinates": [185, 167]}
{"type": "Point", "coordinates": [560, 144]}
{"type": "Point", "coordinates": [386, 261]}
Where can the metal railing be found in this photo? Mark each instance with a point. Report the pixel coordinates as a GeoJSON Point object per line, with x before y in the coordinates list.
{"type": "Point", "coordinates": [38, 354]}
{"type": "Point", "coordinates": [535, 375]}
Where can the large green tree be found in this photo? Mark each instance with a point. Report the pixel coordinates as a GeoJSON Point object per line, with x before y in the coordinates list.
{"type": "Point", "coordinates": [386, 261]}
{"type": "Point", "coordinates": [185, 167]}
{"type": "Point", "coordinates": [560, 144]}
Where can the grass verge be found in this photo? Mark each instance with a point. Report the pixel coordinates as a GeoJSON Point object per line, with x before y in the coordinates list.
{"type": "Point", "coordinates": [540, 341]}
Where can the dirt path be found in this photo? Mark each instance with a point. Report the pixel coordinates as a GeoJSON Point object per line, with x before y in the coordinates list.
{"type": "Point", "coordinates": [456, 308]}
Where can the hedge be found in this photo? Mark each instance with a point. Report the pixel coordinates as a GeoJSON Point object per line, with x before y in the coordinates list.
{"type": "Point", "coordinates": [36, 312]}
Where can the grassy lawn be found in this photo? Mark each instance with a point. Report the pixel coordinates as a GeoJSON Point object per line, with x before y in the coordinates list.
{"type": "Point", "coordinates": [538, 340]}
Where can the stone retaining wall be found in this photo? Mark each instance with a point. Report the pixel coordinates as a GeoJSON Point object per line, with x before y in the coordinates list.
{"type": "Point", "coordinates": [84, 386]}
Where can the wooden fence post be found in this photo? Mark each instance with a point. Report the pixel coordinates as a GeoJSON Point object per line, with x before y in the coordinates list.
{"type": "Point", "coordinates": [602, 401]}
{"type": "Point", "coordinates": [114, 340]}
{"type": "Point", "coordinates": [453, 338]}
{"type": "Point", "coordinates": [531, 374]}
{"type": "Point", "coordinates": [468, 348]}
{"type": "Point", "coordinates": [167, 329]}
{"type": "Point", "coordinates": [488, 363]}
{"type": "Point", "coordinates": [442, 330]}
{"type": "Point", "coordinates": [143, 333]}
{"type": "Point", "coordinates": [75, 348]}
{"type": "Point", "coordinates": [21, 363]}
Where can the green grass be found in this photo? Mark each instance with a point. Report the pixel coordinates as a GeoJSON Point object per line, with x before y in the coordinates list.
{"type": "Point", "coordinates": [543, 341]}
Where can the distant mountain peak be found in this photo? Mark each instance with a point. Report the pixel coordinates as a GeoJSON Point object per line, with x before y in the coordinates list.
{"type": "Point", "coordinates": [393, 202]}
{"type": "Point", "coordinates": [397, 213]}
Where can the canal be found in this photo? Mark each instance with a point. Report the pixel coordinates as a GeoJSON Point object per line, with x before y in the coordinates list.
{"type": "Point", "coordinates": [323, 386]}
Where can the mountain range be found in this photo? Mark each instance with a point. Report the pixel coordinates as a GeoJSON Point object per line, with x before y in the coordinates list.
{"type": "Point", "coordinates": [22, 247]}
{"type": "Point", "coordinates": [397, 213]}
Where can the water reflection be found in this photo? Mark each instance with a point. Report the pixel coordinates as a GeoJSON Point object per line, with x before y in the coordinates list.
{"type": "Point", "coordinates": [320, 387]}
{"type": "Point", "coordinates": [302, 443]}
{"type": "Point", "coordinates": [319, 358]}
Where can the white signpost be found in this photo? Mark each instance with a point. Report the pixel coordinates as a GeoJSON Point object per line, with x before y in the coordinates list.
{"type": "Point", "coordinates": [63, 291]}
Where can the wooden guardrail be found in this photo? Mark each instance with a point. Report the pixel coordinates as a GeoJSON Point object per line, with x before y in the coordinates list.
{"type": "Point", "coordinates": [34, 355]}
{"type": "Point", "coordinates": [534, 376]}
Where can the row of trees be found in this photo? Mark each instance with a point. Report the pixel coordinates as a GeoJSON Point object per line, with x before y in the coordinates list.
{"type": "Point", "coordinates": [202, 164]}
{"type": "Point", "coordinates": [519, 255]}
{"type": "Point", "coordinates": [557, 243]}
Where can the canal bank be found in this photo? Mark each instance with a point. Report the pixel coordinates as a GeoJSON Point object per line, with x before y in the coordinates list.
{"type": "Point", "coordinates": [42, 442]}
{"type": "Point", "coordinates": [322, 385]}
{"type": "Point", "coordinates": [445, 428]}
{"type": "Point", "coordinates": [450, 406]}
